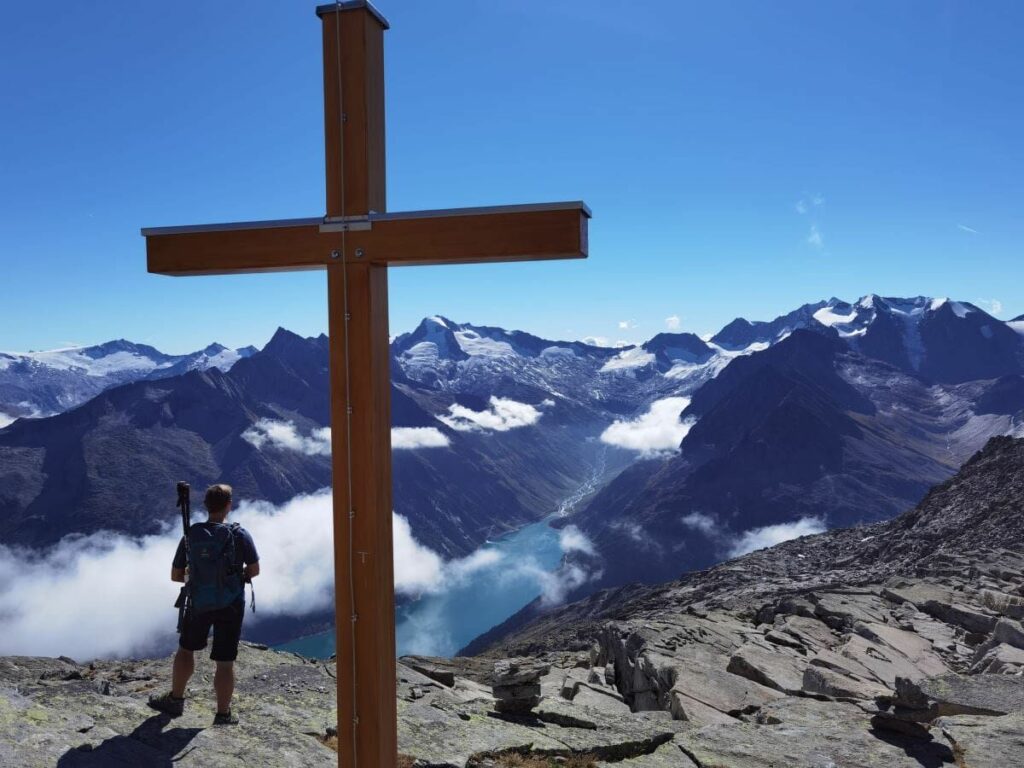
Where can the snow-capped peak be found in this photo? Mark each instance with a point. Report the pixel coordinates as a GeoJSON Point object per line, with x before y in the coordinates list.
{"type": "Point", "coordinates": [51, 381]}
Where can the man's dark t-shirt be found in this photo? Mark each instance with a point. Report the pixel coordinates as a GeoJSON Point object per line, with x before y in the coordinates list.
{"type": "Point", "coordinates": [245, 549]}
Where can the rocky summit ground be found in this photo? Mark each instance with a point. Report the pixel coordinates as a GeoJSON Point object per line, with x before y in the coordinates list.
{"type": "Point", "coordinates": [898, 644]}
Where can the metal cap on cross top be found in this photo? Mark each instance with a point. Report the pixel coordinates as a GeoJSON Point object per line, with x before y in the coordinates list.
{"type": "Point", "coordinates": [355, 242]}
{"type": "Point", "coordinates": [352, 5]}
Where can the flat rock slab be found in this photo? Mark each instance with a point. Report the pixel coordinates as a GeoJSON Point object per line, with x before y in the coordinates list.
{"type": "Point", "coordinates": [666, 756]}
{"type": "Point", "coordinates": [794, 710]}
{"type": "Point", "coordinates": [720, 689]}
{"type": "Point", "coordinates": [442, 730]}
{"type": "Point", "coordinates": [795, 746]}
{"type": "Point", "coordinates": [769, 667]}
{"type": "Point", "coordinates": [974, 694]}
{"type": "Point", "coordinates": [985, 742]}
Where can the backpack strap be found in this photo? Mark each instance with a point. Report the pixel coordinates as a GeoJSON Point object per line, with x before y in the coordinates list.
{"type": "Point", "coordinates": [235, 527]}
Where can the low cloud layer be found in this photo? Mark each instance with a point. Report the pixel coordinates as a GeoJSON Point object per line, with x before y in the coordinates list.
{"type": "Point", "coordinates": [502, 415]}
{"type": "Point", "coordinates": [733, 545]}
{"type": "Point", "coordinates": [110, 594]}
{"type": "Point", "coordinates": [770, 535]}
{"type": "Point", "coordinates": [283, 435]}
{"type": "Point", "coordinates": [657, 432]}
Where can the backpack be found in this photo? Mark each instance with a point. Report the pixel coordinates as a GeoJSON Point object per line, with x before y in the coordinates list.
{"type": "Point", "coordinates": [215, 580]}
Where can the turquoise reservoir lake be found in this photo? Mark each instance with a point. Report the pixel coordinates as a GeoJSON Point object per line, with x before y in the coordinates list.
{"type": "Point", "coordinates": [478, 592]}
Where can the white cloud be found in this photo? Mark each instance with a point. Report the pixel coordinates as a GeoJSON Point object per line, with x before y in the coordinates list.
{"type": "Point", "coordinates": [805, 203]}
{"type": "Point", "coordinates": [5, 420]}
{"type": "Point", "coordinates": [284, 435]}
{"type": "Point", "coordinates": [965, 228]}
{"type": "Point", "coordinates": [108, 594]}
{"type": "Point", "coordinates": [656, 432]}
{"type": "Point", "coordinates": [770, 535]}
{"type": "Point", "coordinates": [555, 586]}
{"type": "Point", "coordinates": [673, 322]}
{"type": "Point", "coordinates": [814, 239]}
{"type": "Point", "coordinates": [604, 341]}
{"type": "Point", "coordinates": [404, 438]}
{"type": "Point", "coordinates": [698, 521]}
{"type": "Point", "coordinates": [572, 539]}
{"type": "Point", "coordinates": [995, 306]}
{"type": "Point", "coordinates": [417, 568]}
{"type": "Point", "coordinates": [503, 415]}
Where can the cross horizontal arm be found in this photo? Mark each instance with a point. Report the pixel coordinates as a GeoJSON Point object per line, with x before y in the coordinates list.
{"type": "Point", "coordinates": [458, 236]}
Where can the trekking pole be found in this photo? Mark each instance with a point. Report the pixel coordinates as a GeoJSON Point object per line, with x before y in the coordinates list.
{"type": "Point", "coordinates": [185, 505]}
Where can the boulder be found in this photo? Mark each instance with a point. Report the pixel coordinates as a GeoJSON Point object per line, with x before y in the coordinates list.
{"type": "Point", "coordinates": [516, 684]}
{"type": "Point", "coordinates": [768, 667]}
{"type": "Point", "coordinates": [1010, 632]}
{"type": "Point", "coordinates": [720, 689]}
{"type": "Point", "coordinates": [998, 658]}
{"type": "Point", "coordinates": [825, 682]}
{"type": "Point", "coordinates": [954, 694]}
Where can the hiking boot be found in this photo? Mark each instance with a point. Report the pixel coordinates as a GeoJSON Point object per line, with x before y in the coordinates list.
{"type": "Point", "coordinates": [225, 718]}
{"type": "Point", "coordinates": [168, 704]}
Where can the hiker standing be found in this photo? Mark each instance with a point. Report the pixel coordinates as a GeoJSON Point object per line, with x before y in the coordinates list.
{"type": "Point", "coordinates": [218, 559]}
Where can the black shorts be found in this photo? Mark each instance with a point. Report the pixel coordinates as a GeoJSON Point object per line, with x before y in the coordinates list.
{"type": "Point", "coordinates": [227, 630]}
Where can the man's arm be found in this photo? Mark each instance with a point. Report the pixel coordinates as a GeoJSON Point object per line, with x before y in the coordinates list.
{"type": "Point", "coordinates": [180, 564]}
{"type": "Point", "coordinates": [250, 556]}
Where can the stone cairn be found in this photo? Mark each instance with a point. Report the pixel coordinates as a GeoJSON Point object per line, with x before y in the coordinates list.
{"type": "Point", "coordinates": [516, 684]}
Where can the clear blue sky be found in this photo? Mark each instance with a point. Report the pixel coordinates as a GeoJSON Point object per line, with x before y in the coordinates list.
{"type": "Point", "coordinates": [694, 130]}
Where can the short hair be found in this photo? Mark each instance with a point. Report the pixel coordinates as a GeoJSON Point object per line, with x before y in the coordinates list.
{"type": "Point", "coordinates": [217, 498]}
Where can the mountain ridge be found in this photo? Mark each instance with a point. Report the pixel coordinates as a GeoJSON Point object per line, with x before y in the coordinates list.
{"type": "Point", "coordinates": [49, 382]}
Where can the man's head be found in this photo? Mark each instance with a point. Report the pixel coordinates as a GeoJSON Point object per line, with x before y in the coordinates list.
{"type": "Point", "coordinates": [218, 500]}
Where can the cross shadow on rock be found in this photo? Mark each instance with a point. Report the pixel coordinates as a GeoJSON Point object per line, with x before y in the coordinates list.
{"type": "Point", "coordinates": [928, 752]}
{"type": "Point", "coordinates": [148, 746]}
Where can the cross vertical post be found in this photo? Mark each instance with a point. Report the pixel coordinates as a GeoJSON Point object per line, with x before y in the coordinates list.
{"type": "Point", "coordinates": [353, 47]}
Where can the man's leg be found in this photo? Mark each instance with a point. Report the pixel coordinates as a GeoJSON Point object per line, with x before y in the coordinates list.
{"type": "Point", "coordinates": [193, 638]}
{"type": "Point", "coordinates": [227, 630]}
{"type": "Point", "coordinates": [184, 666]}
{"type": "Point", "coordinates": [224, 685]}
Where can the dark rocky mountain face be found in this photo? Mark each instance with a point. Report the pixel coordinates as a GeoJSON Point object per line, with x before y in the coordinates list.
{"type": "Point", "coordinates": [741, 333]}
{"type": "Point", "coordinates": [670, 349]}
{"type": "Point", "coordinates": [112, 463]}
{"type": "Point", "coordinates": [807, 434]}
{"type": "Point", "coordinates": [937, 339]}
{"type": "Point", "coordinates": [973, 520]}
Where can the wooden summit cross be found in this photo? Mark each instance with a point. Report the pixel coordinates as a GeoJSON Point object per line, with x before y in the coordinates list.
{"type": "Point", "coordinates": [355, 243]}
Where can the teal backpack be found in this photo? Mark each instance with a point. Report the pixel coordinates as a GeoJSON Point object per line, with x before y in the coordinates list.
{"type": "Point", "coordinates": [215, 580]}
